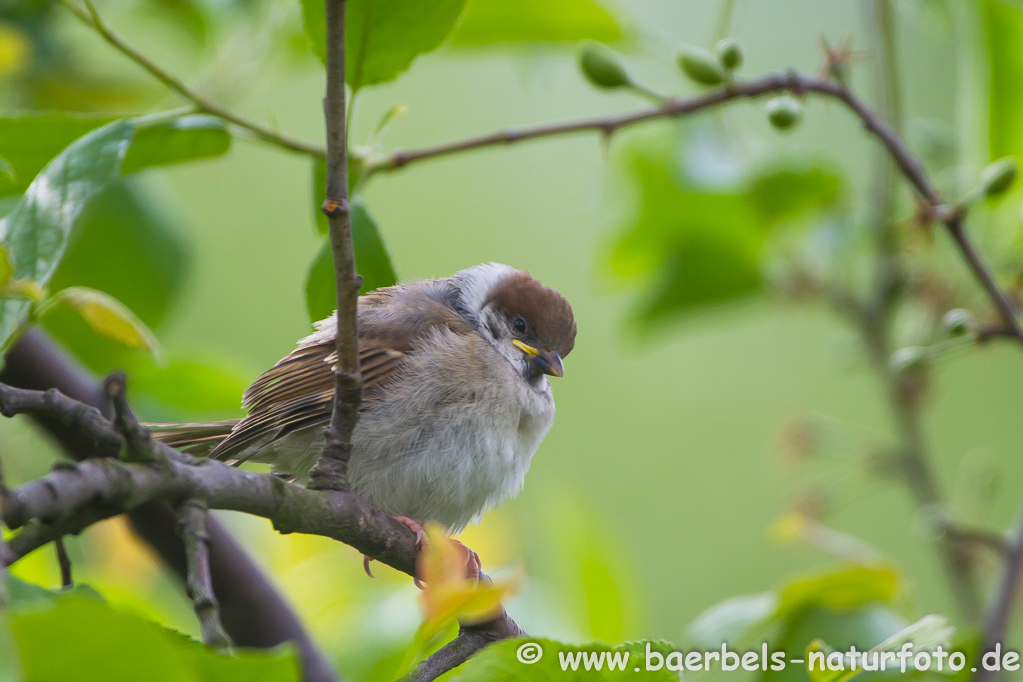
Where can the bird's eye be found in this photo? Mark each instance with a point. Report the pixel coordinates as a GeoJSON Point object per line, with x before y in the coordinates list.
{"type": "Point", "coordinates": [519, 324]}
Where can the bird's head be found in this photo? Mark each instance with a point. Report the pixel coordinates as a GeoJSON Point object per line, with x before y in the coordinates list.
{"type": "Point", "coordinates": [529, 324]}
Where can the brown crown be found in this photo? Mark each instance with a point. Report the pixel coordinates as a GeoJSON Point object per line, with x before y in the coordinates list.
{"type": "Point", "coordinates": [547, 313]}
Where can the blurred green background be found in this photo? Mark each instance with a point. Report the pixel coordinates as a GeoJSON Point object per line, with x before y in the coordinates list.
{"type": "Point", "coordinates": [653, 495]}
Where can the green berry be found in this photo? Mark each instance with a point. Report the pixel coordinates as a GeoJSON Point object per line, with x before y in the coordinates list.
{"type": "Point", "coordinates": [602, 67]}
{"type": "Point", "coordinates": [784, 112]}
{"type": "Point", "coordinates": [729, 53]}
{"type": "Point", "coordinates": [958, 322]}
{"type": "Point", "coordinates": [999, 176]}
{"type": "Point", "coordinates": [910, 358]}
{"type": "Point", "coordinates": [701, 66]}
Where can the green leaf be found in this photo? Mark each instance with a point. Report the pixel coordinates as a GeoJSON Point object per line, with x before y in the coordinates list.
{"type": "Point", "coordinates": [26, 596]}
{"type": "Point", "coordinates": [6, 169]}
{"type": "Point", "coordinates": [502, 662]}
{"type": "Point", "coordinates": [383, 36]}
{"type": "Point", "coordinates": [6, 266]}
{"type": "Point", "coordinates": [371, 260]}
{"type": "Point", "coordinates": [496, 22]}
{"type": "Point", "coordinates": [36, 231]}
{"type": "Point", "coordinates": [10, 665]}
{"type": "Point", "coordinates": [695, 226]}
{"type": "Point", "coordinates": [790, 190]}
{"type": "Point", "coordinates": [185, 138]}
{"type": "Point", "coordinates": [862, 627]}
{"type": "Point", "coordinates": [925, 635]}
{"type": "Point", "coordinates": [28, 141]}
{"type": "Point", "coordinates": [1003, 21]}
{"type": "Point", "coordinates": [190, 385]}
{"type": "Point", "coordinates": [730, 621]}
{"type": "Point", "coordinates": [128, 244]}
{"type": "Point", "coordinates": [109, 317]}
{"type": "Point", "coordinates": [100, 644]}
{"type": "Point", "coordinates": [843, 588]}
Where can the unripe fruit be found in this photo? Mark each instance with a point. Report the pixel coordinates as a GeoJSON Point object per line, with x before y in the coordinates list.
{"type": "Point", "coordinates": [958, 322]}
{"type": "Point", "coordinates": [729, 53]}
{"type": "Point", "coordinates": [701, 66]}
{"type": "Point", "coordinates": [784, 112]}
{"type": "Point", "coordinates": [999, 176]}
{"type": "Point", "coordinates": [602, 67]}
{"type": "Point", "coordinates": [910, 358]}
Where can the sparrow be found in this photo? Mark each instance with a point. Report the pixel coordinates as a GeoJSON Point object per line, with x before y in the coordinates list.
{"type": "Point", "coordinates": [455, 402]}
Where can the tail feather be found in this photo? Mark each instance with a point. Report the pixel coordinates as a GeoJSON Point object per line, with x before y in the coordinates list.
{"type": "Point", "coordinates": [196, 438]}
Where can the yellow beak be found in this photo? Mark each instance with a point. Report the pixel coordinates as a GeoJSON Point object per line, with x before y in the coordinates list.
{"type": "Point", "coordinates": [548, 361]}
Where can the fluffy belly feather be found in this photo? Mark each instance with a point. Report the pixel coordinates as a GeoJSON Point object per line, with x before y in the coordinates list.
{"type": "Point", "coordinates": [450, 474]}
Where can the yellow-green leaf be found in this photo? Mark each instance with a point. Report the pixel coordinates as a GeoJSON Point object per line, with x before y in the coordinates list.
{"type": "Point", "coordinates": [6, 266]}
{"type": "Point", "coordinates": [449, 595]}
{"type": "Point", "coordinates": [109, 317]}
{"type": "Point", "coordinates": [926, 635]}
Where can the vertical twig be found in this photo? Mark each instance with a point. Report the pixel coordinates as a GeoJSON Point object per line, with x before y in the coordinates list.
{"type": "Point", "coordinates": [64, 561]}
{"type": "Point", "coordinates": [199, 580]}
{"type": "Point", "coordinates": [1004, 602]}
{"type": "Point", "coordinates": [139, 443]}
{"type": "Point", "coordinates": [873, 318]}
{"type": "Point", "coordinates": [331, 470]}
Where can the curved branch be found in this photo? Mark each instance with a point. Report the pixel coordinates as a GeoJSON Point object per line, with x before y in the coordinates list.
{"type": "Point", "coordinates": [91, 18]}
{"type": "Point", "coordinates": [470, 639]}
{"type": "Point", "coordinates": [75, 496]}
{"type": "Point", "coordinates": [788, 81]}
{"type": "Point", "coordinates": [192, 527]}
{"type": "Point", "coordinates": [254, 612]}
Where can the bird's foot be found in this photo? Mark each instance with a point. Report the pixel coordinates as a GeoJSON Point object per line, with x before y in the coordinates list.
{"type": "Point", "coordinates": [473, 566]}
{"type": "Point", "coordinates": [416, 527]}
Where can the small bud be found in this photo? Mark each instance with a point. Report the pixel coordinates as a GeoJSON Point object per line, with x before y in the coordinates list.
{"type": "Point", "coordinates": [784, 112]}
{"type": "Point", "coordinates": [729, 53]}
{"type": "Point", "coordinates": [910, 358]}
{"type": "Point", "coordinates": [958, 322]}
{"type": "Point", "coordinates": [701, 66]}
{"type": "Point", "coordinates": [998, 176]}
{"type": "Point", "coordinates": [602, 67]}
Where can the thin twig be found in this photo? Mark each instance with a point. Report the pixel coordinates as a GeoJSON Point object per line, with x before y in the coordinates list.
{"type": "Point", "coordinates": [1002, 606]}
{"type": "Point", "coordinates": [64, 562]}
{"type": "Point", "coordinates": [991, 540]}
{"type": "Point", "coordinates": [83, 418]}
{"type": "Point", "coordinates": [192, 528]}
{"type": "Point", "coordinates": [470, 640]}
{"type": "Point", "coordinates": [331, 471]}
{"type": "Point", "coordinates": [90, 17]}
{"type": "Point", "coordinates": [792, 81]}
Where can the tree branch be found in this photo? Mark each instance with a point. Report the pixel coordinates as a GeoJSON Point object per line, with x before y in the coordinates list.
{"type": "Point", "coordinates": [1004, 602]}
{"type": "Point", "coordinates": [331, 471]}
{"type": "Point", "coordinates": [192, 527]}
{"type": "Point", "coordinates": [470, 639]}
{"type": "Point", "coordinates": [91, 18]}
{"type": "Point", "coordinates": [71, 498]}
{"type": "Point", "coordinates": [64, 562]}
{"type": "Point", "coordinates": [254, 612]}
{"type": "Point", "coordinates": [791, 81]}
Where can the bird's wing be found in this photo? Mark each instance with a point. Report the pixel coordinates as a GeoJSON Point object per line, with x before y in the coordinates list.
{"type": "Point", "coordinates": [298, 391]}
